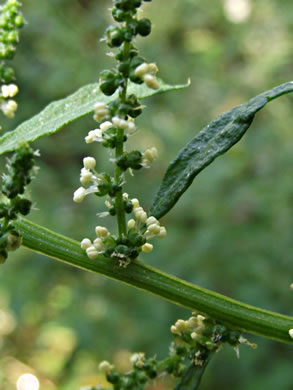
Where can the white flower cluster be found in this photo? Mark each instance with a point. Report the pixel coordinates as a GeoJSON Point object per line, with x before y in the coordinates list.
{"type": "Point", "coordinates": [138, 359]}
{"type": "Point", "coordinates": [8, 107]}
{"type": "Point", "coordinates": [101, 111]}
{"type": "Point", "coordinates": [106, 367]}
{"type": "Point", "coordinates": [147, 73]}
{"type": "Point", "coordinates": [86, 177]}
{"type": "Point", "coordinates": [153, 227]}
{"type": "Point", "coordinates": [195, 324]}
{"type": "Point", "coordinates": [96, 135]}
{"type": "Point", "coordinates": [93, 249]}
{"type": "Point", "coordinates": [149, 156]}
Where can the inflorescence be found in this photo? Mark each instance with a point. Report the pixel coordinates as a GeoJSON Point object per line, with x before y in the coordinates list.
{"type": "Point", "coordinates": [195, 341]}
{"type": "Point", "coordinates": [13, 202]}
{"type": "Point", "coordinates": [11, 20]}
{"type": "Point", "coordinates": [117, 123]}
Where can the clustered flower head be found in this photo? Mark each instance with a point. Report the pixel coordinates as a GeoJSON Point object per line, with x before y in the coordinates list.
{"type": "Point", "coordinates": [11, 21]}
{"type": "Point", "coordinates": [196, 339]}
{"type": "Point", "coordinates": [14, 182]}
{"type": "Point", "coordinates": [147, 73]}
{"type": "Point", "coordinates": [201, 335]}
{"type": "Point", "coordinates": [116, 124]}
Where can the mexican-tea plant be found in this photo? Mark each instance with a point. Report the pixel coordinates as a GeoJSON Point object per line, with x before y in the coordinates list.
{"type": "Point", "coordinates": [116, 102]}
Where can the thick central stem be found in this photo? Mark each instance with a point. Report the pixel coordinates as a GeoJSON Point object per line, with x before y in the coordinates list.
{"type": "Point", "coordinates": [119, 204]}
{"type": "Point", "coordinates": [120, 210]}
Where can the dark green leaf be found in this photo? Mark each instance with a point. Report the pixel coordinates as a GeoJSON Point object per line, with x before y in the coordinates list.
{"type": "Point", "coordinates": [58, 114]}
{"type": "Point", "coordinates": [215, 139]}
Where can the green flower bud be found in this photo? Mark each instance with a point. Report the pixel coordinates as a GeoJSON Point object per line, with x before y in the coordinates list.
{"type": "Point", "coordinates": [144, 27]}
{"type": "Point", "coordinates": [233, 337]}
{"type": "Point", "coordinates": [114, 36]}
{"type": "Point", "coordinates": [128, 206]}
{"type": "Point", "coordinates": [124, 68]}
{"type": "Point", "coordinates": [112, 211]}
{"type": "Point", "coordinates": [13, 37]}
{"type": "Point", "coordinates": [108, 88]}
{"type": "Point", "coordinates": [133, 253]}
{"type": "Point", "coordinates": [127, 5]}
{"type": "Point", "coordinates": [22, 205]}
{"type": "Point", "coordinates": [128, 36]}
{"type": "Point", "coordinates": [130, 160]}
{"type": "Point", "coordinates": [6, 74]}
{"type": "Point", "coordinates": [135, 238]}
{"type": "Point", "coordinates": [118, 15]}
{"type": "Point", "coordinates": [122, 249]}
{"type": "Point", "coordinates": [114, 189]}
{"type": "Point", "coordinates": [18, 21]}
{"type": "Point", "coordinates": [4, 21]}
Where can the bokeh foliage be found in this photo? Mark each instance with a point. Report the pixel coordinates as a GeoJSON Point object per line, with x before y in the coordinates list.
{"type": "Point", "coordinates": [232, 230]}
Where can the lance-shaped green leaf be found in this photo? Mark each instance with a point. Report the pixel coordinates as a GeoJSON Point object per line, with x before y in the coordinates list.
{"type": "Point", "coordinates": [213, 140]}
{"type": "Point", "coordinates": [58, 114]}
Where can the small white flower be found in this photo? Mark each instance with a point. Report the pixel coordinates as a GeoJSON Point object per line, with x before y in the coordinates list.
{"type": "Point", "coordinates": [102, 231]}
{"type": "Point", "coordinates": [135, 203]}
{"type": "Point", "coordinates": [101, 111]}
{"type": "Point", "coordinates": [150, 155]}
{"type": "Point", "coordinates": [131, 128]}
{"type": "Point", "coordinates": [79, 195]}
{"type": "Point", "coordinates": [131, 223]}
{"type": "Point", "coordinates": [162, 233]}
{"type": "Point", "coordinates": [85, 177]}
{"type": "Point", "coordinates": [108, 204]}
{"type": "Point", "coordinates": [174, 330]}
{"type": "Point", "coordinates": [147, 248]}
{"type": "Point", "coordinates": [9, 90]}
{"type": "Point", "coordinates": [182, 325]}
{"type": "Point", "coordinates": [92, 252]}
{"type": "Point", "coordinates": [152, 220]}
{"type": "Point", "coordinates": [152, 68]}
{"type": "Point", "coordinates": [141, 70]}
{"type": "Point", "coordinates": [138, 359]}
{"type": "Point", "coordinates": [89, 163]}
{"type": "Point", "coordinates": [105, 125]}
{"type": "Point", "coordinates": [119, 122]}
{"type": "Point", "coordinates": [85, 243]}
{"type": "Point", "coordinates": [141, 215]}
{"type": "Point", "coordinates": [151, 81]}
{"type": "Point", "coordinates": [90, 137]}
{"type": "Point", "coordinates": [9, 107]}
{"type": "Point", "coordinates": [291, 333]}
{"type": "Point", "coordinates": [154, 229]}
{"type": "Point", "coordinates": [194, 335]}
{"type": "Point", "coordinates": [100, 106]}
{"type": "Point", "coordinates": [106, 367]}
{"type": "Point", "coordinates": [98, 244]}
{"type": "Point", "coordinates": [146, 72]}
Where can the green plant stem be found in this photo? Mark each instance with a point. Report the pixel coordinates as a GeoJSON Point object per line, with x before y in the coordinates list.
{"type": "Point", "coordinates": [228, 311]}
{"type": "Point", "coordinates": [120, 211]}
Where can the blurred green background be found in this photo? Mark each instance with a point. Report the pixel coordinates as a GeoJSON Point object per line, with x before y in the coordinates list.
{"type": "Point", "coordinates": [231, 232]}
